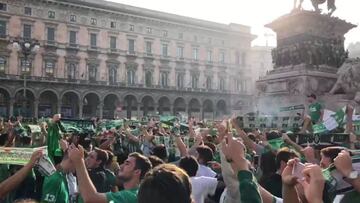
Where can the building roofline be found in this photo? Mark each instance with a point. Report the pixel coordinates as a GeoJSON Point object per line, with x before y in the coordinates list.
{"type": "Point", "coordinates": [114, 6]}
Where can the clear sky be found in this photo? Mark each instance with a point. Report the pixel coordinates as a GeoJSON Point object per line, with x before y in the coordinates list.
{"type": "Point", "coordinates": [255, 13]}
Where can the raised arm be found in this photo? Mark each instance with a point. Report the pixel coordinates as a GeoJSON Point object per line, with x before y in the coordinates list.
{"type": "Point", "coordinates": [87, 189]}
{"type": "Point", "coordinates": [14, 181]}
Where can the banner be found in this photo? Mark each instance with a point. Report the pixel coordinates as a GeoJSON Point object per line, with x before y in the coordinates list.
{"type": "Point", "coordinates": [292, 108]}
{"type": "Point", "coordinates": [17, 156]}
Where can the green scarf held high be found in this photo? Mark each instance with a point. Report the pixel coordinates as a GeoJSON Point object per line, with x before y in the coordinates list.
{"type": "Point", "coordinates": [53, 138]}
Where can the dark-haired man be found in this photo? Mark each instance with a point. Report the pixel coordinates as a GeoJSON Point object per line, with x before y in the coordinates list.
{"type": "Point", "coordinates": [131, 172]}
{"type": "Point", "coordinates": [95, 163]}
{"type": "Point", "coordinates": [204, 156]}
{"type": "Point", "coordinates": [201, 186]}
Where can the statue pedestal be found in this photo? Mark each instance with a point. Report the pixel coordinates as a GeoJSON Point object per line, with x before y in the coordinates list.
{"type": "Point", "coordinates": [309, 52]}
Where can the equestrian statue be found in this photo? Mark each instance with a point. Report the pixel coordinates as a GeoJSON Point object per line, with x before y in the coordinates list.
{"type": "Point", "coordinates": [330, 4]}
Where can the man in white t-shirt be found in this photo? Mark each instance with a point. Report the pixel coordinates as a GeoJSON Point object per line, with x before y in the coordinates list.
{"type": "Point", "coordinates": [202, 186]}
{"type": "Point", "coordinates": [204, 155]}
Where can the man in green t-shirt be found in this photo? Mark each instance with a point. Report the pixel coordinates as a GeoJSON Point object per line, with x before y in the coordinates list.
{"type": "Point", "coordinates": [130, 174]}
{"type": "Point", "coordinates": [55, 187]}
{"type": "Point", "coordinates": [315, 113]}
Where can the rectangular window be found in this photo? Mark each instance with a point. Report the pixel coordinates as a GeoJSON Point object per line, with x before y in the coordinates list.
{"type": "Point", "coordinates": [237, 58]}
{"type": "Point", "coordinates": [51, 35]}
{"type": "Point", "coordinates": [113, 24]}
{"type": "Point", "coordinates": [149, 30]}
{"type": "Point", "coordinates": [165, 33]}
{"type": "Point", "coordinates": [196, 54]}
{"type": "Point", "coordinates": [72, 38]}
{"type": "Point", "coordinates": [243, 59]}
{"type": "Point", "coordinates": [209, 56]}
{"type": "Point", "coordinates": [132, 28]}
{"type": "Point", "coordinates": [27, 31]}
{"type": "Point", "coordinates": [93, 21]}
{"type": "Point", "coordinates": [3, 7]}
{"type": "Point", "coordinates": [222, 57]}
{"type": "Point", "coordinates": [164, 50]}
{"type": "Point", "coordinates": [148, 48]}
{"type": "Point", "coordinates": [181, 35]}
{"type": "Point", "coordinates": [2, 64]}
{"type": "Point", "coordinates": [28, 11]}
{"type": "Point", "coordinates": [112, 42]}
{"type": "Point", "coordinates": [209, 40]}
{"type": "Point", "coordinates": [164, 79]}
{"type": "Point", "coordinates": [73, 18]}
{"type": "Point", "coordinates": [51, 14]}
{"type": "Point", "coordinates": [194, 82]}
{"type": "Point", "coordinates": [2, 29]}
{"type": "Point", "coordinates": [49, 67]}
{"type": "Point", "coordinates": [131, 47]}
{"type": "Point", "coordinates": [93, 39]}
{"type": "Point", "coordinates": [180, 52]}
{"type": "Point", "coordinates": [25, 65]}
{"type": "Point", "coordinates": [180, 80]}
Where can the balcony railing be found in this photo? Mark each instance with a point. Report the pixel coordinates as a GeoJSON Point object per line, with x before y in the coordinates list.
{"type": "Point", "coordinates": [107, 83]}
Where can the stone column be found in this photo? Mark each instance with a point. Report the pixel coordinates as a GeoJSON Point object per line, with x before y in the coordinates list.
{"type": "Point", "coordinates": [138, 110]}
{"type": "Point", "coordinates": [36, 108]}
{"type": "Point", "coordinates": [201, 113]}
{"type": "Point", "coordinates": [80, 110]}
{"type": "Point", "coordinates": [101, 108]}
{"type": "Point", "coordinates": [11, 107]}
{"type": "Point", "coordinates": [59, 104]}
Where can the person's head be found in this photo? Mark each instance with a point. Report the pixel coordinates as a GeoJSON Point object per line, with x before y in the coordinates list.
{"type": "Point", "coordinates": [204, 154]}
{"type": "Point", "coordinates": [282, 157]}
{"type": "Point", "coordinates": [134, 168]}
{"type": "Point", "coordinates": [190, 165]}
{"type": "Point", "coordinates": [160, 151]}
{"type": "Point", "coordinates": [328, 155]}
{"type": "Point", "coordinates": [96, 158]}
{"type": "Point", "coordinates": [66, 164]}
{"type": "Point", "coordinates": [268, 163]}
{"type": "Point", "coordinates": [155, 161]}
{"type": "Point", "coordinates": [311, 98]}
{"type": "Point", "coordinates": [165, 183]}
{"type": "Point", "coordinates": [211, 145]}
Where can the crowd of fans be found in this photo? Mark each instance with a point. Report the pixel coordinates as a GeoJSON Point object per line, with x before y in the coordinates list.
{"type": "Point", "coordinates": [230, 166]}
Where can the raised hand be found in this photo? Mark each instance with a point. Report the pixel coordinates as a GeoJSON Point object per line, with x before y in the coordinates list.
{"type": "Point", "coordinates": [76, 154]}
{"type": "Point", "coordinates": [313, 184]}
{"type": "Point", "coordinates": [36, 155]}
{"type": "Point", "coordinates": [343, 163]}
{"type": "Point", "coordinates": [234, 151]}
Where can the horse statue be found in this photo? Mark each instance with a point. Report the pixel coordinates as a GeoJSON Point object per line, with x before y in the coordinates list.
{"type": "Point", "coordinates": [330, 4]}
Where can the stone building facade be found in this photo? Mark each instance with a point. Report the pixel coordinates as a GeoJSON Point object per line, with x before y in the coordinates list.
{"type": "Point", "coordinates": [99, 58]}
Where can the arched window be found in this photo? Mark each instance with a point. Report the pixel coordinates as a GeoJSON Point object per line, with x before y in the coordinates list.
{"type": "Point", "coordinates": [208, 83]}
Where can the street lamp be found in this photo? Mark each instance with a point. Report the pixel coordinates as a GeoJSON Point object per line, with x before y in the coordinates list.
{"type": "Point", "coordinates": [26, 47]}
